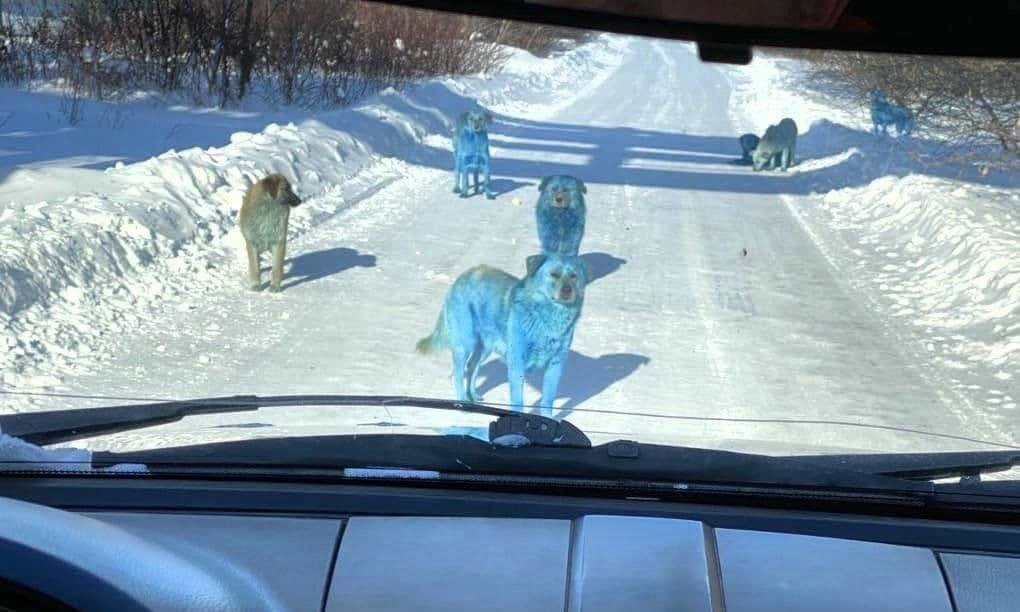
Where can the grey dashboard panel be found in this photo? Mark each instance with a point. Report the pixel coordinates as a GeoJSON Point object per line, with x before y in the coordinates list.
{"type": "Point", "coordinates": [269, 563]}
{"type": "Point", "coordinates": [766, 572]}
{"type": "Point", "coordinates": [983, 583]}
{"type": "Point", "coordinates": [649, 564]}
{"type": "Point", "coordinates": [593, 563]}
{"type": "Point", "coordinates": [427, 564]}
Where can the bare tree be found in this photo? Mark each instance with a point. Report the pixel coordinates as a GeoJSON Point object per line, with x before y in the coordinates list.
{"type": "Point", "coordinates": [310, 52]}
{"type": "Point", "coordinates": [971, 105]}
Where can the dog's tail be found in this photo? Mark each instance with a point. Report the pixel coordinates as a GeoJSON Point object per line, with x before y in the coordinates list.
{"type": "Point", "coordinates": [437, 340]}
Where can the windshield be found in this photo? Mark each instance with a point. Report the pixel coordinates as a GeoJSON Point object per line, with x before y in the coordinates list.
{"type": "Point", "coordinates": [814, 253]}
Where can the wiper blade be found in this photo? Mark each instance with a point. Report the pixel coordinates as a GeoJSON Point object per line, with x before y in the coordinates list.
{"type": "Point", "coordinates": [921, 466]}
{"type": "Point", "coordinates": [56, 426]}
{"type": "Point", "coordinates": [680, 469]}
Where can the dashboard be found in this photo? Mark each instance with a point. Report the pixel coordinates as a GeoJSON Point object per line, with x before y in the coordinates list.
{"type": "Point", "coordinates": [455, 550]}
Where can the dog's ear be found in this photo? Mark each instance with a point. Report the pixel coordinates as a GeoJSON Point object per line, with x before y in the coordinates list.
{"type": "Point", "coordinates": [273, 182]}
{"type": "Point", "coordinates": [533, 263]}
{"type": "Point", "coordinates": [581, 185]}
{"type": "Point", "coordinates": [488, 119]}
{"type": "Point", "coordinates": [545, 181]}
{"type": "Point", "coordinates": [583, 266]}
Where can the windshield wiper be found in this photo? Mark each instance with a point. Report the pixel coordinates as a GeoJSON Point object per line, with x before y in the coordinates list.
{"type": "Point", "coordinates": [552, 447]}
{"type": "Point", "coordinates": [674, 469]}
{"type": "Point", "coordinates": [922, 466]}
{"type": "Point", "coordinates": [56, 426]}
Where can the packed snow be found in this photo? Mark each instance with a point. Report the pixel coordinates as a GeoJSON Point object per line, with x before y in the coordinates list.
{"type": "Point", "coordinates": [70, 263]}
{"type": "Point", "coordinates": [17, 455]}
{"type": "Point", "coordinates": [861, 290]}
{"type": "Point", "coordinates": [931, 246]}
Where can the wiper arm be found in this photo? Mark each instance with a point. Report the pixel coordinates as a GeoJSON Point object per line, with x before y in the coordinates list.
{"type": "Point", "coordinates": [675, 469]}
{"type": "Point", "coordinates": [55, 426]}
{"type": "Point", "coordinates": [921, 466]}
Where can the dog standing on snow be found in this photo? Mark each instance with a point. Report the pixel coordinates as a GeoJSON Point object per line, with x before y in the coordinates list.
{"type": "Point", "coordinates": [776, 147]}
{"type": "Point", "coordinates": [560, 214]}
{"type": "Point", "coordinates": [265, 214]}
{"type": "Point", "coordinates": [528, 322]}
{"type": "Point", "coordinates": [884, 113]}
{"type": "Point", "coordinates": [471, 152]}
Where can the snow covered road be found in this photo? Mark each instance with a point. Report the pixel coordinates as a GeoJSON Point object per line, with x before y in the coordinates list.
{"type": "Point", "coordinates": [711, 299]}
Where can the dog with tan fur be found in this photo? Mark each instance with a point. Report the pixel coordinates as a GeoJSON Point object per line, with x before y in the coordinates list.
{"type": "Point", "coordinates": [264, 217]}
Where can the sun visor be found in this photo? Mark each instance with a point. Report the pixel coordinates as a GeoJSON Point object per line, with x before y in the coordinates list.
{"type": "Point", "coordinates": [723, 27]}
{"type": "Point", "coordinates": [779, 14]}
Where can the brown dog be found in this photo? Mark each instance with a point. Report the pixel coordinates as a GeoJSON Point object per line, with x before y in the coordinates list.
{"type": "Point", "coordinates": [264, 217]}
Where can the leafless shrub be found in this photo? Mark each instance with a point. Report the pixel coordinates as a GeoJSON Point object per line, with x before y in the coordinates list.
{"type": "Point", "coordinates": [401, 45]}
{"type": "Point", "coordinates": [540, 40]}
{"type": "Point", "coordinates": [971, 105]}
{"type": "Point", "coordinates": [27, 30]}
{"type": "Point", "coordinates": [311, 52]}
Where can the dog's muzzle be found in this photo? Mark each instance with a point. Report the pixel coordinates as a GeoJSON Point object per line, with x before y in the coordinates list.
{"type": "Point", "coordinates": [566, 294]}
{"type": "Point", "coordinates": [559, 200]}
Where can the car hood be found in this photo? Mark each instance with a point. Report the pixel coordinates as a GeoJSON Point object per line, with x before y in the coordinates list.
{"type": "Point", "coordinates": [272, 423]}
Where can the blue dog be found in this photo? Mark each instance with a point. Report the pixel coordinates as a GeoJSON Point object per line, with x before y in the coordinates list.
{"type": "Point", "coordinates": [471, 151]}
{"type": "Point", "coordinates": [884, 113]}
{"type": "Point", "coordinates": [560, 214]}
{"type": "Point", "coordinates": [528, 322]}
{"type": "Point", "coordinates": [748, 143]}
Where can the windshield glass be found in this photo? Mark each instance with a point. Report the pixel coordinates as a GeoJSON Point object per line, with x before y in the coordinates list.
{"type": "Point", "coordinates": [813, 253]}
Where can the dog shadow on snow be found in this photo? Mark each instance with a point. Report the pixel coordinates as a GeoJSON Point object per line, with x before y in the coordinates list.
{"type": "Point", "coordinates": [840, 156]}
{"type": "Point", "coordinates": [602, 265]}
{"type": "Point", "coordinates": [316, 265]}
{"type": "Point", "coordinates": [583, 378]}
{"type": "Point", "coordinates": [502, 186]}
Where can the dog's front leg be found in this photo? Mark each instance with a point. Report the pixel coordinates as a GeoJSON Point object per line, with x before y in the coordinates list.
{"type": "Point", "coordinates": [456, 172]}
{"type": "Point", "coordinates": [551, 383]}
{"type": "Point", "coordinates": [463, 181]}
{"type": "Point", "coordinates": [488, 179]}
{"type": "Point", "coordinates": [279, 254]}
{"type": "Point", "coordinates": [515, 367]}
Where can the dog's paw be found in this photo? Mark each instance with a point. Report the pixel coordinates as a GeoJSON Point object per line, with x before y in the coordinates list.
{"type": "Point", "coordinates": [456, 189]}
{"type": "Point", "coordinates": [490, 196]}
{"type": "Point", "coordinates": [275, 289]}
{"type": "Point", "coordinates": [255, 286]}
{"type": "Point", "coordinates": [544, 410]}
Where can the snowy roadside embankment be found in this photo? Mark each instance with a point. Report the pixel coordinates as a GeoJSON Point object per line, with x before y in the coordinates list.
{"type": "Point", "coordinates": [942, 254]}
{"type": "Point", "coordinates": [76, 268]}
{"type": "Point", "coordinates": [933, 247]}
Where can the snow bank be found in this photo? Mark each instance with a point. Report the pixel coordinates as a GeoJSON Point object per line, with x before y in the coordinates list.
{"type": "Point", "coordinates": [70, 266]}
{"type": "Point", "coordinates": [933, 246]}
{"type": "Point", "coordinates": [529, 86]}
{"type": "Point", "coordinates": [943, 256]}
